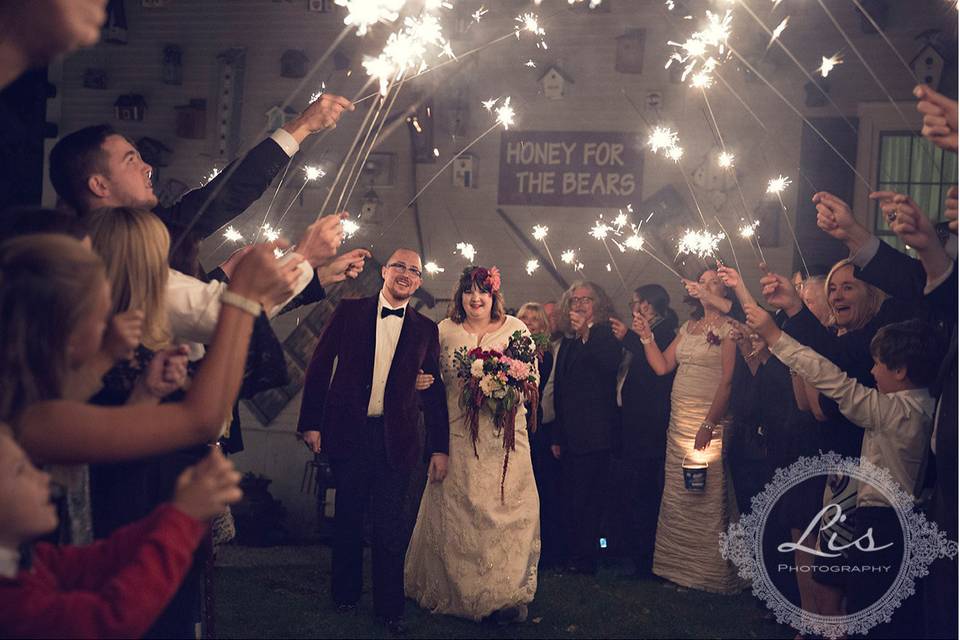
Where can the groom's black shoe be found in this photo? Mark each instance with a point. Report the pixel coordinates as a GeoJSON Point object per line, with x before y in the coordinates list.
{"type": "Point", "coordinates": [395, 626]}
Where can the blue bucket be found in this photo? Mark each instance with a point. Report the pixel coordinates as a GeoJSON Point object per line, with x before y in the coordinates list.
{"type": "Point", "coordinates": [694, 475]}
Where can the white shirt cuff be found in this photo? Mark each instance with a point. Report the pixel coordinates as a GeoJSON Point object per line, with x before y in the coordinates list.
{"type": "Point", "coordinates": [866, 253]}
{"type": "Point", "coordinates": [304, 278]}
{"type": "Point", "coordinates": [286, 141]}
{"type": "Point", "coordinates": [939, 280]}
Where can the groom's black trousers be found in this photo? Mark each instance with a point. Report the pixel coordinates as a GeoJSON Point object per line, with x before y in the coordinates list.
{"type": "Point", "coordinates": [367, 479]}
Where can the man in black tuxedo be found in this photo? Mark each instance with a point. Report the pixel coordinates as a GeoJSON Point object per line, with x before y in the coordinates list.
{"type": "Point", "coordinates": [366, 419]}
{"type": "Point", "coordinates": [585, 397]}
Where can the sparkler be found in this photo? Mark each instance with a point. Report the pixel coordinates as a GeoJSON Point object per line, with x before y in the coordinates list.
{"type": "Point", "coordinates": [433, 268]}
{"type": "Point", "coordinates": [600, 230]}
{"type": "Point", "coordinates": [310, 174]}
{"type": "Point", "coordinates": [636, 242]}
{"type": "Point", "coordinates": [365, 13]}
{"type": "Point", "coordinates": [828, 64]}
{"type": "Point", "coordinates": [479, 13]}
{"type": "Point", "coordinates": [540, 234]}
{"type": "Point", "coordinates": [233, 235]}
{"type": "Point", "coordinates": [530, 63]}
{"type": "Point", "coordinates": [776, 32]}
{"type": "Point", "coordinates": [350, 228]}
{"type": "Point", "coordinates": [704, 49]}
{"type": "Point", "coordinates": [776, 187]}
{"type": "Point", "coordinates": [318, 94]}
{"type": "Point", "coordinates": [271, 234]}
{"type": "Point", "coordinates": [466, 250]}
{"type": "Point", "coordinates": [725, 160]}
{"type": "Point", "coordinates": [532, 265]}
{"type": "Point", "coordinates": [702, 244]}
{"type": "Point", "coordinates": [570, 257]}
{"type": "Point", "coordinates": [213, 174]}
{"type": "Point", "coordinates": [529, 22]}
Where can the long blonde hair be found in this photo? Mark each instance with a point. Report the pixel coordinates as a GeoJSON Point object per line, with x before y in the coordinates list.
{"type": "Point", "coordinates": [874, 298]}
{"type": "Point", "coordinates": [135, 244]}
{"type": "Point", "coordinates": [48, 284]}
{"type": "Point", "coordinates": [538, 311]}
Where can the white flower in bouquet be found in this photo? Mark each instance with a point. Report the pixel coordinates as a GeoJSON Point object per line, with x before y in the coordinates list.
{"type": "Point", "coordinates": [489, 384]}
{"type": "Point", "coordinates": [476, 369]}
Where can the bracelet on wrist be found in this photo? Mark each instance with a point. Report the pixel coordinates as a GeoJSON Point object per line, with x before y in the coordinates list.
{"type": "Point", "coordinates": [645, 340]}
{"type": "Point", "coordinates": [252, 307]}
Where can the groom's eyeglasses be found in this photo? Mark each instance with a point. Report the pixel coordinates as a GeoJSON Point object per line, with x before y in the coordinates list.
{"type": "Point", "coordinates": [399, 267]}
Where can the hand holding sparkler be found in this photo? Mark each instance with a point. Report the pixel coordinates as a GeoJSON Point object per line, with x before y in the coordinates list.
{"type": "Point", "coordinates": [950, 209]}
{"type": "Point", "coordinates": [348, 265]}
{"type": "Point", "coordinates": [779, 292]}
{"type": "Point", "coordinates": [618, 327]}
{"type": "Point", "coordinates": [641, 327]}
{"type": "Point", "coordinates": [321, 239]}
{"type": "Point", "coordinates": [259, 276]}
{"type": "Point", "coordinates": [835, 217]}
{"type": "Point", "coordinates": [321, 114]}
{"type": "Point", "coordinates": [228, 265]}
{"type": "Point", "coordinates": [578, 322]}
{"type": "Point", "coordinates": [761, 322]}
{"type": "Point", "coordinates": [939, 117]}
{"type": "Point", "coordinates": [732, 280]}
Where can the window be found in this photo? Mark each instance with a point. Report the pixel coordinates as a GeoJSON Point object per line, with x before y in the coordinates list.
{"type": "Point", "coordinates": [912, 165]}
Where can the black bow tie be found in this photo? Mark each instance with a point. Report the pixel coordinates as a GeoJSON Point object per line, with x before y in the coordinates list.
{"type": "Point", "coordinates": [384, 312]}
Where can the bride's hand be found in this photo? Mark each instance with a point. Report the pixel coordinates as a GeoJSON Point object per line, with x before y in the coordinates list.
{"type": "Point", "coordinates": [702, 441]}
{"type": "Point", "coordinates": [438, 467]}
{"type": "Point", "coordinates": [424, 381]}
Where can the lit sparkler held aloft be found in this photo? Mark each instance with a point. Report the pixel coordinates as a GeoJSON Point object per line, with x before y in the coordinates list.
{"type": "Point", "coordinates": [702, 244]}
{"type": "Point", "coordinates": [466, 250]}
{"type": "Point", "coordinates": [530, 23]}
{"type": "Point", "coordinates": [829, 63]}
{"type": "Point", "coordinates": [350, 228]}
{"type": "Point", "coordinates": [570, 257]}
{"type": "Point", "coordinates": [433, 268]}
{"type": "Point", "coordinates": [532, 265]}
{"type": "Point", "coordinates": [233, 235]}
{"type": "Point", "coordinates": [540, 234]}
{"type": "Point", "coordinates": [363, 14]}
{"type": "Point", "coordinates": [776, 186]}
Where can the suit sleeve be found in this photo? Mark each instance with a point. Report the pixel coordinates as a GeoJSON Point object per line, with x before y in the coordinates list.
{"type": "Point", "coordinates": [943, 297]}
{"type": "Point", "coordinates": [894, 273]}
{"type": "Point", "coordinates": [228, 195]}
{"type": "Point", "coordinates": [602, 350]}
{"type": "Point", "coordinates": [434, 400]}
{"type": "Point", "coordinates": [316, 383]}
{"type": "Point", "coordinates": [115, 588]}
{"type": "Point", "coordinates": [314, 292]}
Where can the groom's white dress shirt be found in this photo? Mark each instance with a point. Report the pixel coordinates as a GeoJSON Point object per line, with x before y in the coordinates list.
{"type": "Point", "coordinates": [388, 334]}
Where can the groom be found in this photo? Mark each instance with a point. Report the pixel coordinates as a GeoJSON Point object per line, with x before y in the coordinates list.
{"type": "Point", "coordinates": [366, 419]}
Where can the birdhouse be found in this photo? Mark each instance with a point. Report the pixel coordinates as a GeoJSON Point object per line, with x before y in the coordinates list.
{"type": "Point", "coordinates": [464, 175]}
{"type": "Point", "coordinates": [553, 82]}
{"type": "Point", "coordinates": [130, 107]}
{"type": "Point", "coordinates": [630, 51]}
{"type": "Point", "coordinates": [154, 152]}
{"type": "Point", "coordinates": [293, 64]}
{"type": "Point", "coordinates": [192, 120]}
{"type": "Point", "coordinates": [95, 79]}
{"type": "Point", "coordinates": [172, 65]}
{"type": "Point", "coordinates": [277, 117]}
{"type": "Point", "coordinates": [928, 66]}
{"type": "Point", "coordinates": [369, 204]}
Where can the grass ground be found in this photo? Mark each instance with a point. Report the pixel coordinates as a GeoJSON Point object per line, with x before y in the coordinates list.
{"type": "Point", "coordinates": [284, 593]}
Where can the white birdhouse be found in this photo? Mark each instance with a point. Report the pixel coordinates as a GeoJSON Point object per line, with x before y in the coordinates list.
{"type": "Point", "coordinates": [928, 66]}
{"type": "Point", "coordinates": [553, 82]}
{"type": "Point", "coordinates": [464, 176]}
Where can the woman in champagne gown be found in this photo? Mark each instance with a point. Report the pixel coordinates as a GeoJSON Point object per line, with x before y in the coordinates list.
{"type": "Point", "coordinates": [472, 555]}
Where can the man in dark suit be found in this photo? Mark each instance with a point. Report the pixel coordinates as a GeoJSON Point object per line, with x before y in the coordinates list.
{"type": "Point", "coordinates": [366, 419]}
{"type": "Point", "coordinates": [585, 397]}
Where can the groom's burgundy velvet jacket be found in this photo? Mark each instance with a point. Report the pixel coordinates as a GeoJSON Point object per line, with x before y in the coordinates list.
{"type": "Point", "coordinates": [338, 408]}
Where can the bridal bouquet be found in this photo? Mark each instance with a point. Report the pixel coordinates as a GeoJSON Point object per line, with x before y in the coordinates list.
{"type": "Point", "coordinates": [498, 381]}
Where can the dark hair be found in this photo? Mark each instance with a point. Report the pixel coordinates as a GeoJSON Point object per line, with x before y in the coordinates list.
{"type": "Point", "coordinates": [658, 298]}
{"type": "Point", "coordinates": [185, 249]}
{"type": "Point", "coordinates": [26, 221]}
{"type": "Point", "coordinates": [736, 311]}
{"type": "Point", "coordinates": [74, 159]}
{"type": "Point", "coordinates": [911, 344]}
{"type": "Point", "coordinates": [474, 276]}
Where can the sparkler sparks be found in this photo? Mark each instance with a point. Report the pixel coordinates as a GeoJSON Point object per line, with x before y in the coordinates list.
{"type": "Point", "coordinates": [530, 63]}
{"type": "Point", "coordinates": [213, 174]}
{"type": "Point", "coordinates": [313, 173]}
{"type": "Point", "coordinates": [407, 49]}
{"type": "Point", "coordinates": [662, 138]}
{"type": "Point", "coordinates": [675, 153]}
{"type": "Point", "coordinates": [600, 230]}
{"type": "Point", "coordinates": [270, 233]}
{"type": "Point", "coordinates": [776, 32]}
{"type": "Point", "coordinates": [366, 13]}
{"type": "Point", "coordinates": [350, 228]}
{"type": "Point", "coordinates": [233, 235]}
{"type": "Point", "coordinates": [699, 243]}
{"type": "Point", "coordinates": [725, 160]}
{"type": "Point", "coordinates": [540, 232]}
{"type": "Point", "coordinates": [634, 242]}
{"type": "Point", "coordinates": [466, 250]}
{"type": "Point", "coordinates": [530, 22]}
{"type": "Point", "coordinates": [318, 94]}
{"type": "Point", "coordinates": [277, 253]}
{"type": "Point", "coordinates": [479, 13]}
{"type": "Point", "coordinates": [532, 265]}
{"type": "Point", "coordinates": [778, 184]}
{"type": "Point", "coordinates": [705, 48]}
{"type": "Point", "coordinates": [828, 64]}
{"type": "Point", "coordinates": [433, 268]}
{"type": "Point", "coordinates": [490, 104]}
{"type": "Point", "coordinates": [505, 113]}
{"type": "Point", "coordinates": [749, 230]}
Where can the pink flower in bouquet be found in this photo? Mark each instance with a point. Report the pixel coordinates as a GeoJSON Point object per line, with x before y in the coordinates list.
{"type": "Point", "coordinates": [519, 370]}
{"type": "Point", "coordinates": [502, 376]}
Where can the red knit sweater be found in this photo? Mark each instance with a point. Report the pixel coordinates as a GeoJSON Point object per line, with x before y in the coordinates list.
{"type": "Point", "coordinates": [114, 588]}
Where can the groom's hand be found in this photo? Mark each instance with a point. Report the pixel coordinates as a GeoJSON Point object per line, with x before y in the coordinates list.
{"type": "Point", "coordinates": [312, 440]}
{"type": "Point", "coordinates": [438, 467]}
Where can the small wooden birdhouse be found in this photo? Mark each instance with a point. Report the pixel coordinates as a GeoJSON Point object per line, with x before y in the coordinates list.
{"type": "Point", "coordinates": [154, 152]}
{"type": "Point", "coordinates": [293, 64]}
{"type": "Point", "coordinates": [131, 106]}
{"type": "Point", "coordinates": [928, 66]}
{"type": "Point", "coordinates": [464, 171]}
{"type": "Point", "coordinates": [172, 65]}
{"type": "Point", "coordinates": [192, 120]}
{"type": "Point", "coordinates": [553, 82]}
{"type": "Point", "coordinates": [277, 117]}
{"type": "Point", "coordinates": [95, 79]}
{"type": "Point", "coordinates": [630, 51]}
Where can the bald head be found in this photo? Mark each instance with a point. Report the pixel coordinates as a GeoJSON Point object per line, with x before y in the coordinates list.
{"type": "Point", "coordinates": [402, 275]}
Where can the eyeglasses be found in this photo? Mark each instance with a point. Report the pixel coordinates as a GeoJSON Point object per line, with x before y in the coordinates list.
{"type": "Point", "coordinates": [581, 300]}
{"type": "Point", "coordinates": [399, 267]}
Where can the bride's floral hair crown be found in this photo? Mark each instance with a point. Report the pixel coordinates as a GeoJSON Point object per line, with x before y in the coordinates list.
{"type": "Point", "coordinates": [487, 280]}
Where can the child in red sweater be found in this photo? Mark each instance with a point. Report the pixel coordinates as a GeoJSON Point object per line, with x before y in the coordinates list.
{"type": "Point", "coordinates": [114, 588]}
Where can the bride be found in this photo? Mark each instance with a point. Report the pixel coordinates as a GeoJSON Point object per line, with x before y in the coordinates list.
{"type": "Point", "coordinates": [472, 554]}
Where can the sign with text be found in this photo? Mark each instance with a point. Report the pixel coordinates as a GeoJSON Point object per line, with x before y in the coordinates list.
{"type": "Point", "coordinates": [570, 168]}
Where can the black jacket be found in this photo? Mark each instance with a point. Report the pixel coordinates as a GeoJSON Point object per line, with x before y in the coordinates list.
{"type": "Point", "coordinates": [585, 391]}
{"type": "Point", "coordinates": [645, 414]}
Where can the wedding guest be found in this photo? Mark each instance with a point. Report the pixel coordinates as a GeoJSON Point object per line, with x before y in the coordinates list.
{"type": "Point", "coordinates": [585, 398]}
{"type": "Point", "coordinates": [645, 415]}
{"type": "Point", "coordinates": [546, 468]}
{"type": "Point", "coordinates": [37, 32]}
{"type": "Point", "coordinates": [939, 120]}
{"type": "Point", "coordinates": [22, 221]}
{"type": "Point", "coordinates": [703, 355]}
{"type": "Point", "coordinates": [896, 417]}
{"type": "Point", "coordinates": [112, 588]}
